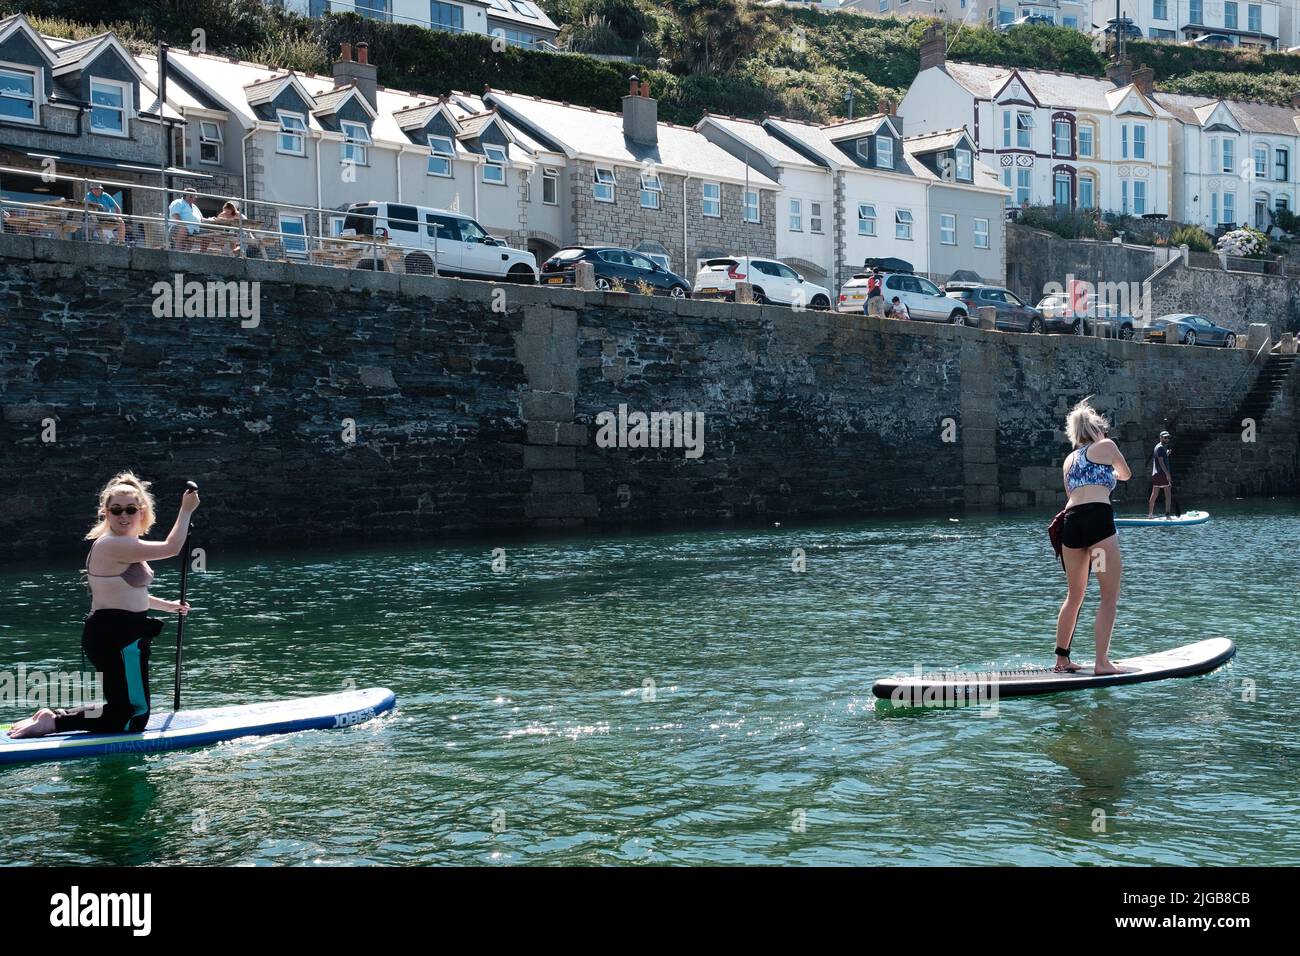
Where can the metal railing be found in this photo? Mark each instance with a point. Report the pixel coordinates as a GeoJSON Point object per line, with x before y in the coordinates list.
{"type": "Point", "coordinates": [84, 219]}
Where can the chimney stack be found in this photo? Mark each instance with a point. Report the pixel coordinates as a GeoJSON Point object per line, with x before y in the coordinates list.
{"type": "Point", "coordinates": [1120, 72]}
{"type": "Point", "coordinates": [640, 114]}
{"type": "Point", "coordinates": [933, 46]}
{"type": "Point", "coordinates": [1144, 78]}
{"type": "Point", "coordinates": [360, 72]}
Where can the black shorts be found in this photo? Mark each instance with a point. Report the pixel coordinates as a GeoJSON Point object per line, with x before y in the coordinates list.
{"type": "Point", "coordinates": [1086, 525]}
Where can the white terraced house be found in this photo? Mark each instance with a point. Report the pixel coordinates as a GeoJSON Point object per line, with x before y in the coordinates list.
{"type": "Point", "coordinates": [1256, 23]}
{"type": "Point", "coordinates": [806, 211]}
{"type": "Point", "coordinates": [328, 142]}
{"type": "Point", "coordinates": [519, 22]}
{"type": "Point", "coordinates": [1076, 14]}
{"type": "Point", "coordinates": [1234, 161]}
{"type": "Point", "coordinates": [1055, 138]}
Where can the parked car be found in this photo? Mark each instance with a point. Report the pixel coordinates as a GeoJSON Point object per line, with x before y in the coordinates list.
{"type": "Point", "coordinates": [456, 244]}
{"type": "Point", "coordinates": [1059, 315]}
{"type": "Point", "coordinates": [1013, 315]}
{"type": "Point", "coordinates": [773, 281]}
{"type": "Point", "coordinates": [1028, 20]}
{"type": "Point", "coordinates": [1189, 330]}
{"type": "Point", "coordinates": [925, 301]}
{"type": "Point", "coordinates": [614, 265]}
{"type": "Point", "coordinates": [1127, 27]}
{"type": "Point", "coordinates": [1217, 40]}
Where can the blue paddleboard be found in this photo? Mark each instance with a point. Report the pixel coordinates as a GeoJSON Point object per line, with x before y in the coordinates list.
{"type": "Point", "coordinates": [194, 728]}
{"type": "Point", "coordinates": [1168, 521]}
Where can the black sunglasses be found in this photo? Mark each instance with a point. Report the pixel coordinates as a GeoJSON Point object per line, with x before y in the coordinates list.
{"type": "Point", "coordinates": [116, 510]}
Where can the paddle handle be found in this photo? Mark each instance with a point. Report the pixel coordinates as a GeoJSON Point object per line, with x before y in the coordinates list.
{"type": "Point", "coordinates": [180, 618]}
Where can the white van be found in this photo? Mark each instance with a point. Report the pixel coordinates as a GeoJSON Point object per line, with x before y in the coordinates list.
{"type": "Point", "coordinates": [441, 242]}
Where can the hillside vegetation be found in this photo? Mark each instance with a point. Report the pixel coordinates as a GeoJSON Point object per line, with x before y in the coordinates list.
{"type": "Point", "coordinates": [723, 56]}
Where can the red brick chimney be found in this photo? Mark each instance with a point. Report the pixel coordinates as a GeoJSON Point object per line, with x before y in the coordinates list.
{"type": "Point", "coordinates": [1144, 78]}
{"type": "Point", "coordinates": [933, 46]}
{"type": "Point", "coordinates": [363, 52]}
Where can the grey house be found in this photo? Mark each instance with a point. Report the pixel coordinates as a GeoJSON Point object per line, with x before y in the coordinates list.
{"type": "Point", "coordinates": [655, 187]}
{"type": "Point", "coordinates": [967, 223]}
{"type": "Point", "coordinates": [84, 108]}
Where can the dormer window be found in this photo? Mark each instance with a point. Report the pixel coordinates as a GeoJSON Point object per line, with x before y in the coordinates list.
{"type": "Point", "coordinates": [440, 154]}
{"type": "Point", "coordinates": [884, 152]}
{"type": "Point", "coordinates": [293, 133]}
{"type": "Point", "coordinates": [356, 139]}
{"type": "Point", "coordinates": [209, 143]}
{"type": "Point", "coordinates": [964, 171]}
{"type": "Point", "coordinates": [17, 95]}
{"type": "Point", "coordinates": [108, 105]}
{"type": "Point", "coordinates": [494, 170]}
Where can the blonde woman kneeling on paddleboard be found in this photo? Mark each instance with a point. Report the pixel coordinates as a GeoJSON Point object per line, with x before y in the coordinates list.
{"type": "Point", "coordinates": [118, 632]}
{"type": "Point", "coordinates": [1088, 538]}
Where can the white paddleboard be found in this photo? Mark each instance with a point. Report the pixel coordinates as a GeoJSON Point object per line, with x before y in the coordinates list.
{"type": "Point", "coordinates": [1165, 521]}
{"type": "Point", "coordinates": [194, 728]}
{"type": "Point", "coordinates": [920, 690]}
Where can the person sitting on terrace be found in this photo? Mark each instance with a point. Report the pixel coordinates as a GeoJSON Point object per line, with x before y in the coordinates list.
{"type": "Point", "coordinates": [108, 213]}
{"type": "Point", "coordinates": [229, 216]}
{"type": "Point", "coordinates": [187, 222]}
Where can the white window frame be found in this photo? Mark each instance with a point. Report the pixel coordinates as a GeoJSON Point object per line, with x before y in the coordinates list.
{"type": "Point", "coordinates": [440, 155]}
{"type": "Point", "coordinates": [124, 110]}
{"type": "Point", "coordinates": [1139, 201]}
{"type": "Point", "coordinates": [1007, 123]}
{"type": "Point", "coordinates": [1266, 151]}
{"type": "Point", "coordinates": [1092, 190]}
{"type": "Point", "coordinates": [1092, 140]}
{"type": "Point", "coordinates": [981, 234]}
{"type": "Point", "coordinates": [287, 237]}
{"type": "Point", "coordinates": [1057, 127]}
{"type": "Point", "coordinates": [651, 189]}
{"type": "Point", "coordinates": [1230, 203]}
{"type": "Point", "coordinates": [1139, 141]}
{"type": "Point", "coordinates": [551, 177]}
{"type": "Point", "coordinates": [37, 96]}
{"type": "Point", "coordinates": [497, 163]}
{"type": "Point", "coordinates": [336, 225]}
{"type": "Point", "coordinates": [1024, 130]}
{"type": "Point", "coordinates": [948, 228]}
{"type": "Point", "coordinates": [881, 154]}
{"type": "Point", "coordinates": [1227, 154]}
{"type": "Point", "coordinates": [299, 133]}
{"type": "Point", "coordinates": [903, 222]}
{"type": "Point", "coordinates": [796, 215]}
{"type": "Point", "coordinates": [753, 210]}
{"type": "Point", "coordinates": [867, 219]}
{"type": "Point", "coordinates": [1123, 140]}
{"type": "Point", "coordinates": [215, 141]}
{"type": "Point", "coordinates": [965, 165]}
{"type": "Point", "coordinates": [815, 220]}
{"type": "Point", "coordinates": [355, 148]}
{"type": "Point", "coordinates": [1028, 187]}
{"type": "Point", "coordinates": [604, 184]}
{"type": "Point", "coordinates": [705, 201]}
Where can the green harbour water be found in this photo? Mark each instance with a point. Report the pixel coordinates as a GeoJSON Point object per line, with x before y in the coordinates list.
{"type": "Point", "coordinates": [687, 698]}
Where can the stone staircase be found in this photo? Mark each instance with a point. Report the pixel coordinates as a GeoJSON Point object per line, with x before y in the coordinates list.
{"type": "Point", "coordinates": [1191, 440]}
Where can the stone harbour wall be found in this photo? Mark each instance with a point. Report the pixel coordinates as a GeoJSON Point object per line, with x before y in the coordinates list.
{"type": "Point", "coordinates": [369, 404]}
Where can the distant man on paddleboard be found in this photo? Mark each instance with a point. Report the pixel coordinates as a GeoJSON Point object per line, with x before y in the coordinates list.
{"type": "Point", "coordinates": [1088, 538]}
{"type": "Point", "coordinates": [1161, 476]}
{"type": "Point", "coordinates": [118, 632]}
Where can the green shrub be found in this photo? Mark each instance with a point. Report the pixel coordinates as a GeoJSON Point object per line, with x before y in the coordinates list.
{"type": "Point", "coordinates": [1193, 237]}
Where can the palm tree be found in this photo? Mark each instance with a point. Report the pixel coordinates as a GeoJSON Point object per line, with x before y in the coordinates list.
{"type": "Point", "coordinates": [715, 34]}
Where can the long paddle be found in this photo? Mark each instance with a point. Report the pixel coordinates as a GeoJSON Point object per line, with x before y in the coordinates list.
{"type": "Point", "coordinates": [180, 618]}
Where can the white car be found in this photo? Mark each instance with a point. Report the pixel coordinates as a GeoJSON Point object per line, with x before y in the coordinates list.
{"type": "Point", "coordinates": [773, 282]}
{"type": "Point", "coordinates": [448, 243]}
{"type": "Point", "coordinates": [925, 301]}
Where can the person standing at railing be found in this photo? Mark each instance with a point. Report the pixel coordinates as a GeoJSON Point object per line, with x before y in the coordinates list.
{"type": "Point", "coordinates": [110, 219]}
{"type": "Point", "coordinates": [187, 222]}
{"type": "Point", "coordinates": [1161, 476]}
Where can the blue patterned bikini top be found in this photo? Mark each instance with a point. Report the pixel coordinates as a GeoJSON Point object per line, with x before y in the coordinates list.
{"type": "Point", "coordinates": [1084, 472]}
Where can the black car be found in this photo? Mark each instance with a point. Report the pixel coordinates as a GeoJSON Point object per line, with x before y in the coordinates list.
{"type": "Point", "coordinates": [614, 267]}
{"type": "Point", "coordinates": [1189, 330]}
{"type": "Point", "coordinates": [1013, 315]}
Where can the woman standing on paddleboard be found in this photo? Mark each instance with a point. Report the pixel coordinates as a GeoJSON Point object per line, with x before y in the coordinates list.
{"type": "Point", "coordinates": [118, 632]}
{"type": "Point", "coordinates": [1088, 536]}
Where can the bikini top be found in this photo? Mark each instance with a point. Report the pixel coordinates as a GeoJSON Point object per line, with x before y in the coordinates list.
{"type": "Point", "coordinates": [136, 575]}
{"type": "Point", "coordinates": [1084, 472]}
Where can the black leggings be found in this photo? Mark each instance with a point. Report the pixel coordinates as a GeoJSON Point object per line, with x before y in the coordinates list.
{"type": "Point", "coordinates": [117, 644]}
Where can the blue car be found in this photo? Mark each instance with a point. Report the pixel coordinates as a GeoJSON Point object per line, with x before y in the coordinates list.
{"type": "Point", "coordinates": [1188, 329]}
